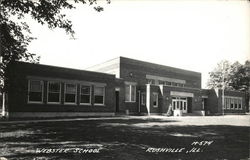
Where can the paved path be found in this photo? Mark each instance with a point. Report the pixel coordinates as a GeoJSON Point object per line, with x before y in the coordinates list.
{"type": "Point", "coordinates": [238, 120]}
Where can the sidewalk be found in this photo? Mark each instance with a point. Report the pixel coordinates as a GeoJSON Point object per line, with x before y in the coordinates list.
{"type": "Point", "coordinates": [71, 119]}
{"type": "Point", "coordinates": [127, 117]}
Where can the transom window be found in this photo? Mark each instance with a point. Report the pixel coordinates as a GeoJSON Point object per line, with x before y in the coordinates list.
{"type": "Point", "coordinates": [150, 81]}
{"type": "Point", "coordinates": [85, 92]}
{"type": "Point", "coordinates": [70, 93]}
{"type": "Point", "coordinates": [35, 91]}
{"type": "Point", "coordinates": [174, 84]}
{"type": "Point", "coordinates": [130, 93]}
{"type": "Point", "coordinates": [99, 93]}
{"type": "Point", "coordinates": [167, 83]}
{"type": "Point", "coordinates": [54, 92]}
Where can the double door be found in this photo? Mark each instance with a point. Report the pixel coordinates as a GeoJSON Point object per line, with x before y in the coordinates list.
{"type": "Point", "coordinates": [179, 103]}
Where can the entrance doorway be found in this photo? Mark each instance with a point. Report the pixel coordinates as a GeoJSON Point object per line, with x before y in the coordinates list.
{"type": "Point", "coordinates": [179, 103]}
{"type": "Point", "coordinates": [117, 101]}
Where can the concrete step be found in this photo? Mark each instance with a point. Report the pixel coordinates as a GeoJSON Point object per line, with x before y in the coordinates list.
{"type": "Point", "coordinates": [191, 114]}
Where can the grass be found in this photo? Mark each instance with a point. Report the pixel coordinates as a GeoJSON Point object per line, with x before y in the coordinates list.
{"type": "Point", "coordinates": [128, 138]}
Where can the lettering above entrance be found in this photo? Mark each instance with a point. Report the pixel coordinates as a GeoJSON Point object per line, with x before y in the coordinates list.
{"type": "Point", "coordinates": [181, 94]}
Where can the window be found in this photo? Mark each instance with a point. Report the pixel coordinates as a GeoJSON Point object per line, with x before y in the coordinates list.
{"type": "Point", "coordinates": [161, 82]}
{"type": "Point", "coordinates": [130, 93]}
{"type": "Point", "coordinates": [174, 84]}
{"type": "Point", "coordinates": [225, 103]}
{"type": "Point", "coordinates": [168, 83]}
{"type": "Point", "coordinates": [235, 103]}
{"type": "Point", "coordinates": [70, 93]}
{"type": "Point", "coordinates": [133, 93]}
{"type": "Point", "coordinates": [54, 92]}
{"type": "Point", "coordinates": [99, 95]}
{"type": "Point", "coordinates": [240, 103]}
{"type": "Point", "coordinates": [180, 85]}
{"type": "Point", "coordinates": [35, 91]}
{"type": "Point", "coordinates": [155, 99]}
{"type": "Point", "coordinates": [228, 103]}
{"type": "Point", "coordinates": [231, 104]}
{"type": "Point", "coordinates": [85, 95]}
{"type": "Point", "coordinates": [143, 98]}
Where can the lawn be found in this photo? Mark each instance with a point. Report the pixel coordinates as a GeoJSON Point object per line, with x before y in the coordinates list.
{"type": "Point", "coordinates": [122, 138]}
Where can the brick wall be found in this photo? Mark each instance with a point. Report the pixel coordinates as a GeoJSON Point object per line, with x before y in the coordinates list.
{"type": "Point", "coordinates": [19, 72]}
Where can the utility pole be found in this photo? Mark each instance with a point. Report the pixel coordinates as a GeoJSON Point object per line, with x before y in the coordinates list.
{"type": "Point", "coordinates": [3, 93]}
{"type": "Point", "coordinates": [223, 88]}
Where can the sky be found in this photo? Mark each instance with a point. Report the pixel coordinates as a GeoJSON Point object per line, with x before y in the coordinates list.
{"type": "Point", "coordinates": [193, 35]}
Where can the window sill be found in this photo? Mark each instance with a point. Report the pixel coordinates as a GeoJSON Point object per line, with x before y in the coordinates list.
{"type": "Point", "coordinates": [58, 103]}
{"type": "Point", "coordinates": [99, 104]}
{"type": "Point", "coordinates": [70, 104]}
{"type": "Point", "coordinates": [35, 102]}
{"type": "Point", "coordinates": [85, 104]}
{"type": "Point", "coordinates": [130, 101]}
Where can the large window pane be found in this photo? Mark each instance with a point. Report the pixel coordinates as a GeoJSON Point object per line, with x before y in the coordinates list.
{"type": "Point", "coordinates": [70, 93]}
{"type": "Point", "coordinates": [85, 95]}
{"type": "Point", "coordinates": [71, 88]}
{"type": "Point", "coordinates": [127, 93]}
{"type": "Point", "coordinates": [54, 92]}
{"type": "Point", "coordinates": [143, 99]}
{"type": "Point", "coordinates": [133, 93]}
{"type": "Point", "coordinates": [228, 103]}
{"type": "Point", "coordinates": [54, 87]}
{"type": "Point", "coordinates": [232, 103]}
{"type": "Point", "coordinates": [239, 103]}
{"type": "Point", "coordinates": [35, 91]}
{"type": "Point", "coordinates": [99, 95]}
{"type": "Point", "coordinates": [130, 93]}
{"type": "Point", "coordinates": [53, 97]}
{"type": "Point", "coordinates": [235, 104]}
{"type": "Point", "coordinates": [155, 99]}
{"type": "Point", "coordinates": [35, 86]}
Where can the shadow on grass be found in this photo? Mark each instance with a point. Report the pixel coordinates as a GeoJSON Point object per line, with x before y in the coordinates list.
{"type": "Point", "coordinates": [123, 139]}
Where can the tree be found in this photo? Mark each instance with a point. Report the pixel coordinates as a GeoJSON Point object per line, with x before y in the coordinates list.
{"type": "Point", "coordinates": [220, 75]}
{"type": "Point", "coordinates": [233, 76]}
{"type": "Point", "coordinates": [241, 78]}
{"type": "Point", "coordinates": [15, 34]}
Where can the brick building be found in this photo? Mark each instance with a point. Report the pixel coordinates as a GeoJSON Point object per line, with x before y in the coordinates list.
{"type": "Point", "coordinates": [36, 90]}
{"type": "Point", "coordinates": [151, 88]}
{"type": "Point", "coordinates": [121, 85]}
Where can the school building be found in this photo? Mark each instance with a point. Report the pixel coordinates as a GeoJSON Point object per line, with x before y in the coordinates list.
{"type": "Point", "coordinates": [118, 86]}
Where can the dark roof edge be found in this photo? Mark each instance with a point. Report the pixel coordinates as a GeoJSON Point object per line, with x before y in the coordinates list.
{"type": "Point", "coordinates": [59, 67]}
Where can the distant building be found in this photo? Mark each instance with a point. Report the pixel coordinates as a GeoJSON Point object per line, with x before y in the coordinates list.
{"type": "Point", "coordinates": [118, 86]}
